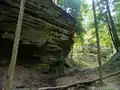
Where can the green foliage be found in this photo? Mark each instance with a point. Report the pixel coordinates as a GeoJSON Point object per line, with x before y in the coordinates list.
{"type": "Point", "coordinates": [87, 44]}
{"type": "Point", "coordinates": [85, 37]}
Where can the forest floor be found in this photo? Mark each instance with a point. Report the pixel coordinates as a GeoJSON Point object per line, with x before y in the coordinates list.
{"type": "Point", "coordinates": [29, 78]}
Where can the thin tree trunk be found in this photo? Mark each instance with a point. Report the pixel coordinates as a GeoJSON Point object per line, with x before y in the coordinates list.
{"type": "Point", "coordinates": [110, 31]}
{"type": "Point", "coordinates": [109, 27]}
{"type": "Point", "coordinates": [71, 56]}
{"type": "Point", "coordinates": [98, 44]}
{"type": "Point", "coordinates": [112, 48]}
{"type": "Point", "coordinates": [15, 47]}
{"type": "Point", "coordinates": [114, 31]}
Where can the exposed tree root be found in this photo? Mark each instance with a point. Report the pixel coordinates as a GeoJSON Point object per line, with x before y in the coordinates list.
{"type": "Point", "coordinates": [77, 83]}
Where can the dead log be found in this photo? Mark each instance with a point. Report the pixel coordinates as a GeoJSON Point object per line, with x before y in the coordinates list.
{"type": "Point", "coordinates": [78, 83]}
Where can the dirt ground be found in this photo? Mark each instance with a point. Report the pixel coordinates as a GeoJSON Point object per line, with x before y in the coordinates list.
{"type": "Point", "coordinates": [31, 78]}
{"type": "Point", "coordinates": [28, 78]}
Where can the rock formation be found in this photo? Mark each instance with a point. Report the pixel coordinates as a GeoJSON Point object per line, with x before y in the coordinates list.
{"type": "Point", "coordinates": [47, 31]}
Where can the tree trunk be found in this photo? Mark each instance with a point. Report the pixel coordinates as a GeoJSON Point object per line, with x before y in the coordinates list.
{"type": "Point", "coordinates": [114, 31]}
{"type": "Point", "coordinates": [110, 31]}
{"type": "Point", "coordinates": [98, 44]}
{"type": "Point", "coordinates": [112, 48]}
{"type": "Point", "coordinates": [71, 56]}
{"type": "Point", "coordinates": [109, 27]}
{"type": "Point", "coordinates": [15, 47]}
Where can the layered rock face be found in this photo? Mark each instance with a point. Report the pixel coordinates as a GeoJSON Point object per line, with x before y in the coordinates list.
{"type": "Point", "coordinates": [47, 31]}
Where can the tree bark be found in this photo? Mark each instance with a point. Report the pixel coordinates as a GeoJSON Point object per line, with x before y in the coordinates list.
{"type": "Point", "coordinates": [98, 43]}
{"type": "Point", "coordinates": [15, 47]}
